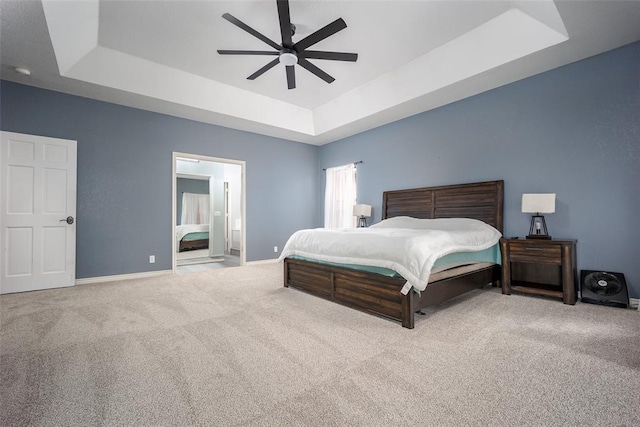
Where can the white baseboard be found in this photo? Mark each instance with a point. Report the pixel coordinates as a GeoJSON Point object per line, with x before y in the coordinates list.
{"type": "Point", "coordinates": [262, 261]}
{"type": "Point", "coordinates": [633, 302]}
{"type": "Point", "coordinates": [115, 278]}
{"type": "Point", "coordinates": [101, 279]}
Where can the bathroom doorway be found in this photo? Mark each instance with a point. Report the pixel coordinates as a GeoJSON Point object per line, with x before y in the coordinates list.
{"type": "Point", "coordinates": [208, 213]}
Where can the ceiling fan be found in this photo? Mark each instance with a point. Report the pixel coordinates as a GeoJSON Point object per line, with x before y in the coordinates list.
{"type": "Point", "coordinates": [289, 53]}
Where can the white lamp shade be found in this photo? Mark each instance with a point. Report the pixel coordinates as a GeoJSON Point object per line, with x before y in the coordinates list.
{"type": "Point", "coordinates": [539, 203]}
{"type": "Point", "coordinates": [362, 210]}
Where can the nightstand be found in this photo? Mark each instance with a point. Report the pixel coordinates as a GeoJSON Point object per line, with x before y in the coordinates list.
{"type": "Point", "coordinates": [540, 267]}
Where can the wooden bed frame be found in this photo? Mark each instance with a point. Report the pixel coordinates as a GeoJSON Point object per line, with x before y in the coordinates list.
{"type": "Point", "coordinates": [380, 295]}
{"type": "Point", "coordinates": [192, 245]}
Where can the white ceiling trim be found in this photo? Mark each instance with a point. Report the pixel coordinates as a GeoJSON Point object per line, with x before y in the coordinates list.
{"type": "Point", "coordinates": [107, 67]}
{"type": "Point", "coordinates": [510, 36]}
{"type": "Point", "coordinates": [80, 57]}
{"type": "Point", "coordinates": [73, 28]}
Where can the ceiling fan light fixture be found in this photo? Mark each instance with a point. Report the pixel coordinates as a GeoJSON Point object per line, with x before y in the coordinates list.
{"type": "Point", "coordinates": [288, 58]}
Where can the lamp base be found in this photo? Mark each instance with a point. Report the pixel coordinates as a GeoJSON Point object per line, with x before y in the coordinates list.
{"type": "Point", "coordinates": [539, 236]}
{"type": "Point", "coordinates": [538, 229]}
{"type": "Point", "coordinates": [362, 222]}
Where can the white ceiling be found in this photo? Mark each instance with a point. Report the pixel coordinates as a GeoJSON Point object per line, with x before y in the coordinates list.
{"type": "Point", "coordinates": [412, 55]}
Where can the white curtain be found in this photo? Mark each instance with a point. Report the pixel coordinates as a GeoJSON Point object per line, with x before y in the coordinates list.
{"type": "Point", "coordinates": [195, 209]}
{"type": "Point", "coordinates": [340, 196]}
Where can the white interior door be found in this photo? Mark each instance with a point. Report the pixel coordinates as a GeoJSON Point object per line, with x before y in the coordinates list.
{"type": "Point", "coordinates": [38, 210]}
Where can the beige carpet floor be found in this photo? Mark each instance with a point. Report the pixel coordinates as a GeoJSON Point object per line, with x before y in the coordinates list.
{"type": "Point", "coordinates": [233, 347]}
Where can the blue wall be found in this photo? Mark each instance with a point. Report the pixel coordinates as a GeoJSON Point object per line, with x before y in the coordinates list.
{"type": "Point", "coordinates": [574, 131]}
{"type": "Point", "coordinates": [124, 176]}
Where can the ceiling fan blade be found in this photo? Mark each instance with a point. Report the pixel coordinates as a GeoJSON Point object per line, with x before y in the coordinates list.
{"type": "Point", "coordinates": [291, 77]}
{"type": "Point", "coordinates": [238, 23]}
{"type": "Point", "coordinates": [248, 52]}
{"type": "Point", "coordinates": [264, 69]}
{"type": "Point", "coordinates": [321, 34]}
{"type": "Point", "coordinates": [335, 56]}
{"type": "Point", "coordinates": [315, 70]}
{"type": "Point", "coordinates": [285, 23]}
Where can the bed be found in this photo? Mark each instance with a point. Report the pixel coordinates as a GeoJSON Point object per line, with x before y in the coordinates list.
{"type": "Point", "coordinates": [382, 295]}
{"type": "Point", "coordinates": [191, 237]}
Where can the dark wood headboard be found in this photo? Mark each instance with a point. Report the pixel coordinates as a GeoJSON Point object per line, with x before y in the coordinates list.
{"type": "Point", "coordinates": [478, 200]}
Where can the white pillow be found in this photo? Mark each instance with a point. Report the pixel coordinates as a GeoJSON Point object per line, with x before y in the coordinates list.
{"type": "Point", "coordinates": [446, 224]}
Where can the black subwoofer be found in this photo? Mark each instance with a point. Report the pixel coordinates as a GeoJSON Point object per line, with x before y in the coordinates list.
{"type": "Point", "coordinates": [605, 288]}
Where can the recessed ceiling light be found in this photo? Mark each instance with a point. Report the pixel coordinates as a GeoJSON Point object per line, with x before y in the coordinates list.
{"type": "Point", "coordinates": [23, 71]}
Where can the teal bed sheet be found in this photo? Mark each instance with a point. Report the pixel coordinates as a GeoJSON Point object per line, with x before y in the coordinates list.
{"type": "Point", "coordinates": [195, 236]}
{"type": "Point", "coordinates": [491, 254]}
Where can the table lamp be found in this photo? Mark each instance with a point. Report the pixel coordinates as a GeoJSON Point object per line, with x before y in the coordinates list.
{"type": "Point", "coordinates": [362, 212]}
{"type": "Point", "coordinates": [538, 204]}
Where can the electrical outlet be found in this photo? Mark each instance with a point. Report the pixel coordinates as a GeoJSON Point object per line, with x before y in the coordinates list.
{"type": "Point", "coordinates": [275, 249]}
{"type": "Point", "coordinates": [152, 259]}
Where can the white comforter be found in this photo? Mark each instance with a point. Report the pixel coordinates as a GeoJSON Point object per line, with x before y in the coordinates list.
{"type": "Point", "coordinates": [406, 245]}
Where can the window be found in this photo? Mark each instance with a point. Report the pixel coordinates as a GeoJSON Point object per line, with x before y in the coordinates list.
{"type": "Point", "coordinates": [195, 209]}
{"type": "Point", "coordinates": [340, 196]}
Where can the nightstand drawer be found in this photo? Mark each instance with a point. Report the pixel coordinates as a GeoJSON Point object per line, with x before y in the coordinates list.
{"type": "Point", "coordinates": [525, 252]}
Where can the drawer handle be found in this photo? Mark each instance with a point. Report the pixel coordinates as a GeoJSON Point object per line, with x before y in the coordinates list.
{"type": "Point", "coordinates": [533, 249]}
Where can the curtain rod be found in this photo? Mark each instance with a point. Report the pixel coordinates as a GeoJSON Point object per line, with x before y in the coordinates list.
{"type": "Point", "coordinates": [354, 163]}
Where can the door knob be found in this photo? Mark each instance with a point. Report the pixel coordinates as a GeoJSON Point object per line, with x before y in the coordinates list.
{"type": "Point", "coordinates": [68, 220]}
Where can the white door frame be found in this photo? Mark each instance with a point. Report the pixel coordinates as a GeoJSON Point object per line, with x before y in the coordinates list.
{"type": "Point", "coordinates": [242, 164]}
